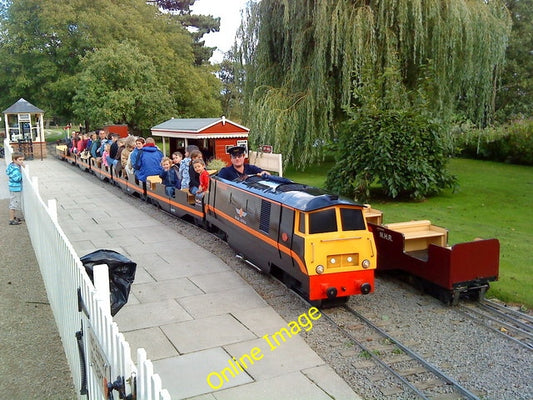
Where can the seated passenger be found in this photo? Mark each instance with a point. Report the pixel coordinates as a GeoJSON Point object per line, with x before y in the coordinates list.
{"type": "Point", "coordinates": [132, 160]}
{"type": "Point", "coordinates": [113, 150]}
{"type": "Point", "coordinates": [168, 176]}
{"type": "Point", "coordinates": [176, 161]}
{"type": "Point", "coordinates": [238, 168]}
{"type": "Point", "coordinates": [82, 143]}
{"type": "Point", "coordinates": [184, 167]}
{"type": "Point", "coordinates": [199, 167]}
{"type": "Point", "coordinates": [95, 145]}
{"type": "Point", "coordinates": [148, 161]}
{"type": "Point", "coordinates": [105, 154]}
{"type": "Point", "coordinates": [125, 155]}
{"type": "Point", "coordinates": [194, 177]}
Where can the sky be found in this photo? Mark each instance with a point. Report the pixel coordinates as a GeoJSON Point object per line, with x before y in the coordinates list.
{"type": "Point", "coordinates": [230, 19]}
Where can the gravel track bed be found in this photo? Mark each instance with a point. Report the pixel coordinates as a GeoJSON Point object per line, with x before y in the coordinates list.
{"type": "Point", "coordinates": [484, 362]}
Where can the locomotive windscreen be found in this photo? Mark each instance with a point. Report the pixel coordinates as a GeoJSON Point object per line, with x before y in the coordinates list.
{"type": "Point", "coordinates": [323, 221]}
{"type": "Point", "coordinates": [352, 219]}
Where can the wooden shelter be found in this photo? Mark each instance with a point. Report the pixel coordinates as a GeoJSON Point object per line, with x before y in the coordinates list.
{"type": "Point", "coordinates": [24, 125]}
{"type": "Point", "coordinates": [214, 136]}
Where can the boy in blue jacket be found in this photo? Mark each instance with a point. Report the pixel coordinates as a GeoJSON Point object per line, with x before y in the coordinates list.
{"type": "Point", "coordinates": [14, 174]}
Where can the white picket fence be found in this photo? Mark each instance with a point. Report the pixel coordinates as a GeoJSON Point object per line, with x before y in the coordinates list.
{"type": "Point", "coordinates": [98, 355]}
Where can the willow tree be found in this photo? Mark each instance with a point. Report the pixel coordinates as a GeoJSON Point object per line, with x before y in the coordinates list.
{"type": "Point", "coordinates": [308, 61]}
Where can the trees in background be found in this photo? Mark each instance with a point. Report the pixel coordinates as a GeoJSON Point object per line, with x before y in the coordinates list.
{"type": "Point", "coordinates": [514, 98]}
{"type": "Point", "coordinates": [368, 81]}
{"type": "Point", "coordinates": [50, 48]}
{"type": "Point", "coordinates": [307, 62]}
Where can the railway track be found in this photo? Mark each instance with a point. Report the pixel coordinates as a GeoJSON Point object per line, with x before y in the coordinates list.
{"type": "Point", "coordinates": [403, 373]}
{"type": "Point", "coordinates": [514, 325]}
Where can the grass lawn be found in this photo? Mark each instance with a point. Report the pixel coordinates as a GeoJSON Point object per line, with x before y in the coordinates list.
{"type": "Point", "coordinates": [53, 134]}
{"type": "Point", "coordinates": [494, 200]}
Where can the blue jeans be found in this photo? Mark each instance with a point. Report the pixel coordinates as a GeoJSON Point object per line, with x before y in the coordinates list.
{"type": "Point", "coordinates": [169, 190]}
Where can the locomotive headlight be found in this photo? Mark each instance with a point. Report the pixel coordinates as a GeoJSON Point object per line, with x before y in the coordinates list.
{"type": "Point", "coordinates": [333, 261]}
{"type": "Point", "coordinates": [365, 263]}
{"type": "Point", "coordinates": [349, 259]}
{"type": "Point", "coordinates": [319, 269]}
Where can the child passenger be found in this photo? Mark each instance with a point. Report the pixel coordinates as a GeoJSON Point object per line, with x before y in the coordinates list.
{"type": "Point", "coordinates": [105, 154]}
{"type": "Point", "coordinates": [184, 167]}
{"type": "Point", "coordinates": [176, 161]}
{"type": "Point", "coordinates": [169, 176]}
{"type": "Point", "coordinates": [194, 177]}
{"type": "Point", "coordinates": [199, 167]}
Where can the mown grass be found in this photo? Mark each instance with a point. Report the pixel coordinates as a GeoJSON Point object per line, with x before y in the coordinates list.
{"type": "Point", "coordinates": [493, 200]}
{"type": "Point", "coordinates": [54, 134]}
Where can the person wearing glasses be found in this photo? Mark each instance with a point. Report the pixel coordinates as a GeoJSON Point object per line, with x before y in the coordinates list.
{"type": "Point", "coordinates": [238, 168]}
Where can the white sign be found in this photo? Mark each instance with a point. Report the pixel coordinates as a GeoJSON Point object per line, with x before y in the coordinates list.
{"type": "Point", "coordinates": [24, 117]}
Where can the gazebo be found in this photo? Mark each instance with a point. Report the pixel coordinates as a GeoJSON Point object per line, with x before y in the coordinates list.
{"type": "Point", "coordinates": [214, 136]}
{"type": "Point", "coordinates": [24, 125]}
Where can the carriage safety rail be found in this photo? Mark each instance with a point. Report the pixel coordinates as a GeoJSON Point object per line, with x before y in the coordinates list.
{"type": "Point", "coordinates": [98, 355]}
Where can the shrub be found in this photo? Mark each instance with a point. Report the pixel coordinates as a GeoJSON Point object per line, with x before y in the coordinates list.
{"type": "Point", "coordinates": [215, 164]}
{"type": "Point", "coordinates": [401, 150]}
{"type": "Point", "coordinates": [512, 143]}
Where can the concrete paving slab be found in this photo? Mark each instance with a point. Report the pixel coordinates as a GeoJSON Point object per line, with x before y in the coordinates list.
{"type": "Point", "coordinates": [158, 232]}
{"type": "Point", "coordinates": [185, 376]}
{"type": "Point", "coordinates": [218, 282]}
{"type": "Point", "coordinates": [209, 304]}
{"type": "Point", "coordinates": [158, 346]}
{"type": "Point", "coordinates": [141, 276]}
{"type": "Point", "coordinates": [260, 321]}
{"type": "Point", "coordinates": [292, 355]}
{"type": "Point", "coordinates": [203, 397]}
{"type": "Point", "coordinates": [205, 333]}
{"type": "Point", "coordinates": [171, 289]}
{"type": "Point", "coordinates": [139, 316]}
{"type": "Point", "coordinates": [325, 377]}
{"type": "Point", "coordinates": [293, 386]}
{"type": "Point", "coordinates": [177, 267]}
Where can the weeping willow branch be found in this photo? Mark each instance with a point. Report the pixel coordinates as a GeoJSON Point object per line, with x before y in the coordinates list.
{"type": "Point", "coordinates": [308, 61]}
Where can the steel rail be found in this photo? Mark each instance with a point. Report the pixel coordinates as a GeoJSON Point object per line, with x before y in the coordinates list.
{"type": "Point", "coordinates": [465, 392]}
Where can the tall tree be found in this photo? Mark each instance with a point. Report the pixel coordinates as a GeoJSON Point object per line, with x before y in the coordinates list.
{"type": "Point", "coordinates": [307, 61]}
{"type": "Point", "coordinates": [119, 84]}
{"type": "Point", "coordinates": [515, 95]}
{"type": "Point", "coordinates": [197, 25]}
{"type": "Point", "coordinates": [43, 42]}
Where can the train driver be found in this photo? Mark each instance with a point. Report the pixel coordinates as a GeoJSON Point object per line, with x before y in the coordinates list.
{"type": "Point", "coordinates": [238, 168]}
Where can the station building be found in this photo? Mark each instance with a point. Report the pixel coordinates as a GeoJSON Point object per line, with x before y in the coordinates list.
{"type": "Point", "coordinates": [213, 136]}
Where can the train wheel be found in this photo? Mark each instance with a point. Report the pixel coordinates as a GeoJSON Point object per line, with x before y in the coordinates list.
{"type": "Point", "coordinates": [455, 297]}
{"type": "Point", "coordinates": [445, 296]}
{"type": "Point", "coordinates": [479, 294]}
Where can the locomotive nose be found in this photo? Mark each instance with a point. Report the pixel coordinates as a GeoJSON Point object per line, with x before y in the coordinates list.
{"type": "Point", "coordinates": [365, 288]}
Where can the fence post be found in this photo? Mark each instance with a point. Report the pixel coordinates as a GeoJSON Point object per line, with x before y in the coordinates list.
{"type": "Point", "coordinates": [52, 209]}
{"type": "Point", "coordinates": [101, 285]}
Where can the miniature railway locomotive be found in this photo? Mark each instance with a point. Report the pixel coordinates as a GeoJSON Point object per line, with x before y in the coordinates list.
{"type": "Point", "coordinates": [316, 243]}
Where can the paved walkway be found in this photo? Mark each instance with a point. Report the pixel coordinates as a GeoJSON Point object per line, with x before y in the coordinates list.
{"type": "Point", "coordinates": [188, 309]}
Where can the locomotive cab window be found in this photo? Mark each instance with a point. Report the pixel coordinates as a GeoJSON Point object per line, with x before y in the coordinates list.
{"type": "Point", "coordinates": [301, 222]}
{"type": "Point", "coordinates": [352, 219]}
{"type": "Point", "coordinates": [323, 221]}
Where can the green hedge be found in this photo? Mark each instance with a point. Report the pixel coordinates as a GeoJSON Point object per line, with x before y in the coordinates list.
{"type": "Point", "coordinates": [511, 143]}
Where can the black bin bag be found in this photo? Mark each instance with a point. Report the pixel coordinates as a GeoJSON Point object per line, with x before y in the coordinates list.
{"type": "Point", "coordinates": [121, 274]}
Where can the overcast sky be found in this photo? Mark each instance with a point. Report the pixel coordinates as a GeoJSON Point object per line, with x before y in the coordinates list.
{"type": "Point", "coordinates": [230, 19]}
